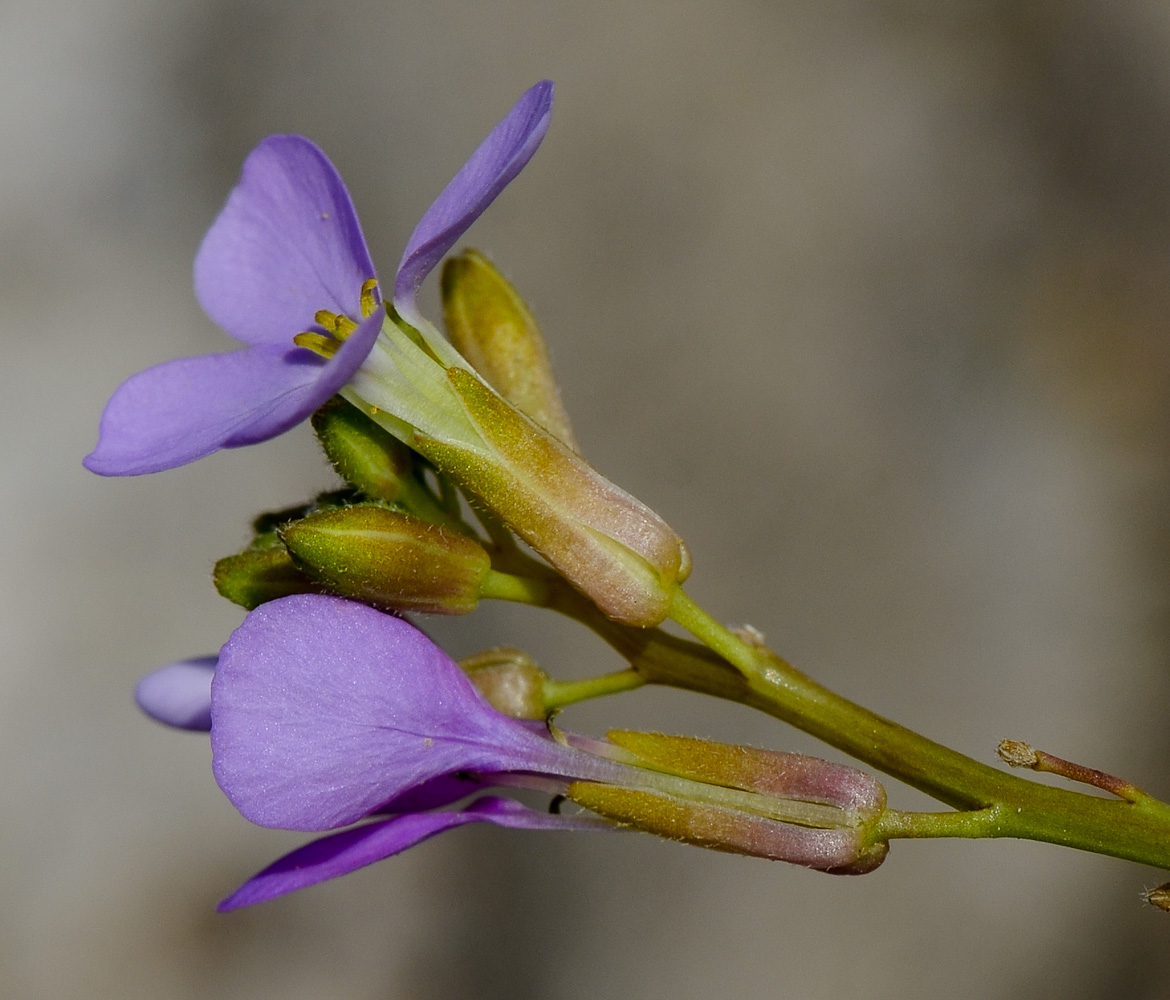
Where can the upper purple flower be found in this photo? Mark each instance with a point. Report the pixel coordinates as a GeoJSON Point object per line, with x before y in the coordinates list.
{"type": "Point", "coordinates": [286, 246]}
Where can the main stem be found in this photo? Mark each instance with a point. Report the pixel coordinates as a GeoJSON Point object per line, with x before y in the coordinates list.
{"type": "Point", "coordinates": [991, 802]}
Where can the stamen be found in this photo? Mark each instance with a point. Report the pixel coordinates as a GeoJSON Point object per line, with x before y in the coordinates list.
{"type": "Point", "coordinates": [326, 347]}
{"type": "Point", "coordinates": [326, 319]}
{"type": "Point", "coordinates": [369, 297]}
{"type": "Point", "coordinates": [337, 326]}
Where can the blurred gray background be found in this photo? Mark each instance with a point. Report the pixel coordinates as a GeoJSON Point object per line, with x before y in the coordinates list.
{"type": "Point", "coordinates": [870, 300]}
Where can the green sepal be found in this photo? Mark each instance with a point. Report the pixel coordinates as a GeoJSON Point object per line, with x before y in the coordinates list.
{"type": "Point", "coordinates": [492, 327]}
{"type": "Point", "coordinates": [264, 571]}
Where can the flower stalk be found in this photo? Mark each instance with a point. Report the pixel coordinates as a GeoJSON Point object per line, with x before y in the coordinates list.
{"type": "Point", "coordinates": [326, 713]}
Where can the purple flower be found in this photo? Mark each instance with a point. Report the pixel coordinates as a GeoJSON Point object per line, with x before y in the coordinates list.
{"type": "Point", "coordinates": [326, 712]}
{"type": "Point", "coordinates": [286, 249]}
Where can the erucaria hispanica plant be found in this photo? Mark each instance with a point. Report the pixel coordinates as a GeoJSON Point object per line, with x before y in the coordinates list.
{"type": "Point", "coordinates": [329, 712]}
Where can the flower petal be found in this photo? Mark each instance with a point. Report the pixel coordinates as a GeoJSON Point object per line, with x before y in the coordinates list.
{"type": "Point", "coordinates": [179, 694]}
{"type": "Point", "coordinates": [499, 158]}
{"type": "Point", "coordinates": [182, 410]}
{"type": "Point", "coordinates": [341, 853]}
{"type": "Point", "coordinates": [324, 710]}
{"type": "Point", "coordinates": [287, 244]}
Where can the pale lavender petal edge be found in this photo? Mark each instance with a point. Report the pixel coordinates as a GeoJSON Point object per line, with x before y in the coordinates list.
{"type": "Point", "coordinates": [497, 160]}
{"type": "Point", "coordinates": [341, 853]}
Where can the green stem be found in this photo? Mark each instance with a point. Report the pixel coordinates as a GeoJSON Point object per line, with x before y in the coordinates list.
{"type": "Point", "coordinates": [998, 804]}
{"type": "Point", "coordinates": [558, 694]}
{"type": "Point", "coordinates": [893, 824]}
{"type": "Point", "coordinates": [989, 802]}
{"type": "Point", "coordinates": [500, 586]}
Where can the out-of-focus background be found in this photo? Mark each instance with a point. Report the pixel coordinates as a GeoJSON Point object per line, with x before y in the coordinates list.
{"type": "Point", "coordinates": [870, 300]}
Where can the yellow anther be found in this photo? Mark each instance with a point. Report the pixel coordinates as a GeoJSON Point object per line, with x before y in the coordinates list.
{"type": "Point", "coordinates": [326, 319]}
{"type": "Point", "coordinates": [345, 326]}
{"type": "Point", "coordinates": [326, 347]}
{"type": "Point", "coordinates": [369, 299]}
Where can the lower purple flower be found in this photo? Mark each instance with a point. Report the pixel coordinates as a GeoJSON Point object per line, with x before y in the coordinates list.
{"type": "Point", "coordinates": [326, 712]}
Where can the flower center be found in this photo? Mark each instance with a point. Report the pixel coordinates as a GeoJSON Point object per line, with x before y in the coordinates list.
{"type": "Point", "coordinates": [337, 326]}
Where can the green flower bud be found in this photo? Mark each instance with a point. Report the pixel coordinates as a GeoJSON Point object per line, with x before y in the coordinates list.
{"type": "Point", "coordinates": [511, 682]}
{"type": "Point", "coordinates": [260, 574]}
{"type": "Point", "coordinates": [490, 325]}
{"type": "Point", "coordinates": [364, 455]}
{"type": "Point", "coordinates": [389, 559]}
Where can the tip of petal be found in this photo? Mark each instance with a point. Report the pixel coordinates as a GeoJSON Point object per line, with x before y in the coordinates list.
{"type": "Point", "coordinates": [493, 165]}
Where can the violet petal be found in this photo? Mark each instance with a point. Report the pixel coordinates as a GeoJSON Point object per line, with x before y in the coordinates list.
{"type": "Point", "coordinates": [323, 710]}
{"type": "Point", "coordinates": [179, 694]}
{"type": "Point", "coordinates": [287, 244]}
{"type": "Point", "coordinates": [182, 410]}
{"type": "Point", "coordinates": [499, 158]}
{"type": "Point", "coordinates": [341, 853]}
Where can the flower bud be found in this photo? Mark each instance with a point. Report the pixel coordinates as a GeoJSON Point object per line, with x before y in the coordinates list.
{"type": "Point", "coordinates": [511, 682]}
{"type": "Point", "coordinates": [389, 559]}
{"type": "Point", "coordinates": [784, 806]}
{"type": "Point", "coordinates": [490, 325]}
{"type": "Point", "coordinates": [364, 454]}
{"type": "Point", "coordinates": [259, 574]}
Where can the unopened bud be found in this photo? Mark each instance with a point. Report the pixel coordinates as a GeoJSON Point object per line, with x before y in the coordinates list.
{"type": "Point", "coordinates": [490, 325]}
{"type": "Point", "coordinates": [259, 574]}
{"type": "Point", "coordinates": [389, 559]}
{"type": "Point", "coordinates": [364, 454]}
{"type": "Point", "coordinates": [511, 682]}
